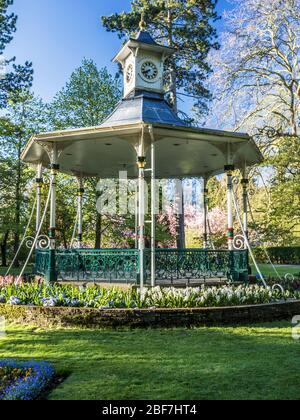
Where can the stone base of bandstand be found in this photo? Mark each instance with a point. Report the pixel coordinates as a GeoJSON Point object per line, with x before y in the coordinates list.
{"type": "Point", "coordinates": [211, 282]}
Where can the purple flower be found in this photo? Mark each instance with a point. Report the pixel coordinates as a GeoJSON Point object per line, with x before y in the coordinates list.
{"type": "Point", "coordinates": [13, 300]}
{"type": "Point", "coordinates": [49, 303]}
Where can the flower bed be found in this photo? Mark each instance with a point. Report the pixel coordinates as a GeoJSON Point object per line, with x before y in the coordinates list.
{"type": "Point", "coordinates": [24, 381]}
{"type": "Point", "coordinates": [95, 297]}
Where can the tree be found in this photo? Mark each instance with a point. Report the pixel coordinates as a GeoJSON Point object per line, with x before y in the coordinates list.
{"type": "Point", "coordinates": [28, 115]}
{"type": "Point", "coordinates": [88, 98]}
{"type": "Point", "coordinates": [17, 77]}
{"type": "Point", "coordinates": [257, 89]}
{"type": "Point", "coordinates": [14, 79]}
{"type": "Point", "coordinates": [5, 210]}
{"type": "Point", "coordinates": [257, 68]}
{"type": "Point", "coordinates": [186, 26]}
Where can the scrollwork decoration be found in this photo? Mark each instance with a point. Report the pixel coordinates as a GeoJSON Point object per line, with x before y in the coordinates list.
{"type": "Point", "coordinates": [43, 242]}
{"type": "Point", "coordinates": [75, 244]}
{"type": "Point", "coordinates": [289, 277]}
{"type": "Point", "coordinates": [239, 242]}
{"type": "Point", "coordinates": [29, 242]}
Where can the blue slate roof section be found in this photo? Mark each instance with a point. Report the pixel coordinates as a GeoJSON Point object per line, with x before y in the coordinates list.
{"type": "Point", "coordinates": [146, 107]}
{"type": "Point", "coordinates": [145, 37]}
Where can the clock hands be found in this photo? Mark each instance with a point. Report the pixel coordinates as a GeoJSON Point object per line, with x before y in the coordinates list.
{"type": "Point", "coordinates": [149, 70]}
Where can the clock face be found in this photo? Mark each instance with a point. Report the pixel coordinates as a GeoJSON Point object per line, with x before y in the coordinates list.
{"type": "Point", "coordinates": [129, 73]}
{"type": "Point", "coordinates": [149, 71]}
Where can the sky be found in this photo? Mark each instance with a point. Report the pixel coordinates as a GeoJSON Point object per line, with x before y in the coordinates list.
{"type": "Point", "coordinates": [57, 34]}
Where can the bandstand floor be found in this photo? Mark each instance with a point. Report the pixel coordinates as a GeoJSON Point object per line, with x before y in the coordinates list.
{"type": "Point", "coordinates": [162, 283]}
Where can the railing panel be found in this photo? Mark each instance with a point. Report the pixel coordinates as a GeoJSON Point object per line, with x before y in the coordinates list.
{"type": "Point", "coordinates": [196, 264]}
{"type": "Point", "coordinates": [123, 265]}
{"type": "Point", "coordinates": [98, 265]}
{"type": "Point", "coordinates": [41, 262]}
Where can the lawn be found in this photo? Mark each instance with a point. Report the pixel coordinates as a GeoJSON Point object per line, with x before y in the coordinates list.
{"type": "Point", "coordinates": [15, 271]}
{"type": "Point", "coordinates": [260, 362]}
{"type": "Point", "coordinates": [267, 270]}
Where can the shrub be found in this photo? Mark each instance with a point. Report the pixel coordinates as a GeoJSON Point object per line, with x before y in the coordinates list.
{"type": "Point", "coordinates": [280, 255]}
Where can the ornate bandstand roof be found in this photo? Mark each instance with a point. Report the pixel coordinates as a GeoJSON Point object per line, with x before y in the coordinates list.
{"type": "Point", "coordinates": [181, 150]}
{"type": "Point", "coordinates": [146, 107]}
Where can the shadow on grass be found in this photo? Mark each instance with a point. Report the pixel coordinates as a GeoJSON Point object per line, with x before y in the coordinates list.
{"type": "Point", "coordinates": [254, 362]}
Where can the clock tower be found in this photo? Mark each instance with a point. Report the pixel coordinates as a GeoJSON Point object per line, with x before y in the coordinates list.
{"type": "Point", "coordinates": [142, 60]}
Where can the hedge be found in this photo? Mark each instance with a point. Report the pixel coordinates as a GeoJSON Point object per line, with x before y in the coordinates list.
{"type": "Point", "coordinates": [280, 255]}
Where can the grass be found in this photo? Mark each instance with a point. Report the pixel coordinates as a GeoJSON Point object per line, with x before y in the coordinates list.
{"type": "Point", "coordinates": [259, 362]}
{"type": "Point", "coordinates": [268, 271]}
{"type": "Point", "coordinates": [15, 271]}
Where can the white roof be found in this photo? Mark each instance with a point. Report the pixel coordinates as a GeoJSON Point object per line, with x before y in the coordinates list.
{"type": "Point", "coordinates": [180, 151]}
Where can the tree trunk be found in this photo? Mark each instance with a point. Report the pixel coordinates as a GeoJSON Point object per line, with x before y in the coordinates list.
{"type": "Point", "coordinates": [98, 231]}
{"type": "Point", "coordinates": [3, 246]}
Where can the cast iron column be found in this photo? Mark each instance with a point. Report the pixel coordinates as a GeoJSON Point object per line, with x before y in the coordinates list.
{"type": "Point", "coordinates": [141, 218]}
{"type": "Point", "coordinates": [205, 209]}
{"type": "Point", "coordinates": [80, 193]}
{"type": "Point", "coordinates": [245, 183]}
{"type": "Point", "coordinates": [51, 275]}
{"type": "Point", "coordinates": [39, 184]}
{"type": "Point", "coordinates": [153, 216]}
{"type": "Point", "coordinates": [229, 169]}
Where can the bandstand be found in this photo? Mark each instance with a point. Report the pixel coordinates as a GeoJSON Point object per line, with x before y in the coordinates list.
{"type": "Point", "coordinates": [145, 138]}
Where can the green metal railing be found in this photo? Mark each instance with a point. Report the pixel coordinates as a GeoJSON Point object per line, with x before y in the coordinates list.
{"type": "Point", "coordinates": [107, 265]}
{"type": "Point", "coordinates": [122, 265]}
{"type": "Point", "coordinates": [197, 264]}
{"type": "Point", "coordinates": [42, 259]}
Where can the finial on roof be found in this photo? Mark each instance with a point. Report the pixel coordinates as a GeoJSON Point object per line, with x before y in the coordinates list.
{"type": "Point", "coordinates": [143, 24]}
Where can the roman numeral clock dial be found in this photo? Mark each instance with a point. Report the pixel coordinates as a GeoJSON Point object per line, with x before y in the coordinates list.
{"type": "Point", "coordinates": [129, 73]}
{"type": "Point", "coordinates": [149, 71]}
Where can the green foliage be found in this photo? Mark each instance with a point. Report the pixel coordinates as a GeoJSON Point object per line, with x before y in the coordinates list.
{"type": "Point", "coordinates": [18, 77]}
{"type": "Point", "coordinates": [88, 98]}
{"type": "Point", "coordinates": [7, 24]}
{"type": "Point", "coordinates": [280, 255]}
{"type": "Point", "coordinates": [285, 191]}
{"type": "Point", "coordinates": [15, 81]}
{"type": "Point", "coordinates": [186, 26]}
{"type": "Point", "coordinates": [217, 190]}
{"type": "Point", "coordinates": [27, 116]}
{"type": "Point", "coordinates": [96, 297]}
